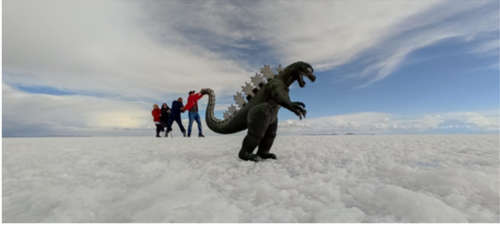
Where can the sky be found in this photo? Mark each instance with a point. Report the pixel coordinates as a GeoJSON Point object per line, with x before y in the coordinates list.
{"type": "Point", "coordinates": [92, 68]}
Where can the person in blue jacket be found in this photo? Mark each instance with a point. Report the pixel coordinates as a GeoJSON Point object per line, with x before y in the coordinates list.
{"type": "Point", "coordinates": [175, 115]}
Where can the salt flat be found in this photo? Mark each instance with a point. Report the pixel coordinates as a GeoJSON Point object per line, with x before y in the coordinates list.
{"type": "Point", "coordinates": [407, 178]}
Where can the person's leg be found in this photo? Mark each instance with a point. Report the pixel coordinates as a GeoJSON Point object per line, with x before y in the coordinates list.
{"type": "Point", "coordinates": [198, 121]}
{"type": "Point", "coordinates": [190, 124]}
{"type": "Point", "coordinates": [169, 124]}
{"type": "Point", "coordinates": [182, 127]}
{"type": "Point", "coordinates": [158, 129]}
{"type": "Point", "coordinates": [165, 126]}
{"type": "Point", "coordinates": [179, 122]}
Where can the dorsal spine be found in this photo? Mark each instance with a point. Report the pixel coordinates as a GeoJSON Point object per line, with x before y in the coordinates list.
{"type": "Point", "coordinates": [251, 88]}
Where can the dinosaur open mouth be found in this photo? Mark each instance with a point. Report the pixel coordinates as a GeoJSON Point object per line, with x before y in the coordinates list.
{"type": "Point", "coordinates": [309, 74]}
{"type": "Point", "coordinates": [301, 81]}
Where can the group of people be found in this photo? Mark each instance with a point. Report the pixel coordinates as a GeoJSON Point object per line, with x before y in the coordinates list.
{"type": "Point", "coordinates": [164, 117]}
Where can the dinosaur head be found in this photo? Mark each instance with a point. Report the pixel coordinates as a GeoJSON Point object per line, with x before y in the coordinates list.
{"type": "Point", "coordinates": [297, 71]}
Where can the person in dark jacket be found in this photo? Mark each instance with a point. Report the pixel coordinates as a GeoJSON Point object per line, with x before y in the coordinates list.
{"type": "Point", "coordinates": [175, 115]}
{"type": "Point", "coordinates": [165, 115]}
{"type": "Point", "coordinates": [156, 119]}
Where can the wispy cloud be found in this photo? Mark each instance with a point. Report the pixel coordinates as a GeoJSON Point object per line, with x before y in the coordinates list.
{"type": "Point", "coordinates": [447, 20]}
{"type": "Point", "coordinates": [490, 46]}
{"type": "Point", "coordinates": [377, 35]}
{"type": "Point", "coordinates": [324, 33]}
{"type": "Point", "coordinates": [386, 123]}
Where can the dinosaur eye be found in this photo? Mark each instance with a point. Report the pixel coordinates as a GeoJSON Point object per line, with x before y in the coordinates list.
{"type": "Point", "coordinates": [309, 69]}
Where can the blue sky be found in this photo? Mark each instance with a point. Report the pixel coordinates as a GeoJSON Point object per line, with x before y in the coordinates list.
{"type": "Point", "coordinates": [382, 67]}
{"type": "Point", "coordinates": [450, 80]}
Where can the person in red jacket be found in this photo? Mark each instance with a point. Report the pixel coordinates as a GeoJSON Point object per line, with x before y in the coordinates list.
{"type": "Point", "coordinates": [156, 118]}
{"type": "Point", "coordinates": [192, 107]}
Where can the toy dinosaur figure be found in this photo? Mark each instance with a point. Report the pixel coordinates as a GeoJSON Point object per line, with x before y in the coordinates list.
{"type": "Point", "coordinates": [260, 114]}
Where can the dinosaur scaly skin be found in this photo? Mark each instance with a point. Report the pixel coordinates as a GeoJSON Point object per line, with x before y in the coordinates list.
{"type": "Point", "coordinates": [260, 114]}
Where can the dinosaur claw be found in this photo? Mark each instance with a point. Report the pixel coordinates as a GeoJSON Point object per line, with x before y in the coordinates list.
{"type": "Point", "coordinates": [300, 103]}
{"type": "Point", "coordinates": [299, 109]}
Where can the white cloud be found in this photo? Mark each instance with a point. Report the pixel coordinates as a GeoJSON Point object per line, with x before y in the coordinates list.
{"type": "Point", "coordinates": [490, 46]}
{"type": "Point", "coordinates": [444, 21]}
{"type": "Point", "coordinates": [381, 34]}
{"type": "Point", "coordinates": [40, 115]}
{"type": "Point", "coordinates": [331, 33]}
{"type": "Point", "coordinates": [148, 49]}
{"type": "Point", "coordinates": [100, 46]}
{"type": "Point", "coordinates": [382, 123]}
{"type": "Point", "coordinates": [325, 33]}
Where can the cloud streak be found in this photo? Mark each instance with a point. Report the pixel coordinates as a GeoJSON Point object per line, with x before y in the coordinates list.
{"type": "Point", "coordinates": [447, 20]}
{"type": "Point", "coordinates": [387, 123]}
{"type": "Point", "coordinates": [326, 34]}
{"type": "Point", "coordinates": [377, 35]}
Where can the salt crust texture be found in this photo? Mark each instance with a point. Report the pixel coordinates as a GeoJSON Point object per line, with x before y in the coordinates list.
{"type": "Point", "coordinates": [421, 178]}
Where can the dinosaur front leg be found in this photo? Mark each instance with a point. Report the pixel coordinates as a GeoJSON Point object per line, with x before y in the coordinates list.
{"type": "Point", "coordinates": [280, 94]}
{"type": "Point", "coordinates": [267, 142]}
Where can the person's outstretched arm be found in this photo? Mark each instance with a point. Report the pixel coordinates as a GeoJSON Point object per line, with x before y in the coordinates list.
{"type": "Point", "coordinates": [192, 100]}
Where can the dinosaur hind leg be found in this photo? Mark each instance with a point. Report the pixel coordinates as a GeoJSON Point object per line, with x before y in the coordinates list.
{"type": "Point", "coordinates": [267, 142]}
{"type": "Point", "coordinates": [249, 144]}
{"type": "Point", "coordinates": [258, 123]}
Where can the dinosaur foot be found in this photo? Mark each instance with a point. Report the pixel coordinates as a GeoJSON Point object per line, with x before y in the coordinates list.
{"type": "Point", "coordinates": [250, 157]}
{"type": "Point", "coordinates": [268, 156]}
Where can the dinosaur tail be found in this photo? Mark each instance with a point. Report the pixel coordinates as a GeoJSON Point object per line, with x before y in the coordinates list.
{"type": "Point", "coordinates": [230, 125]}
